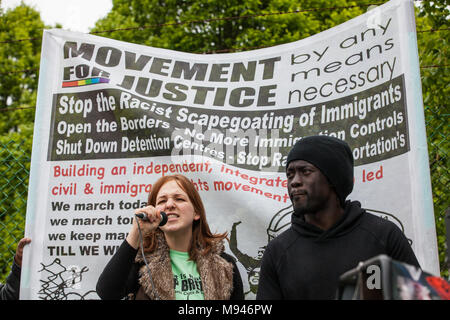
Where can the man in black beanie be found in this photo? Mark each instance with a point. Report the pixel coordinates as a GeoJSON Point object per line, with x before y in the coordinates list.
{"type": "Point", "coordinates": [328, 235]}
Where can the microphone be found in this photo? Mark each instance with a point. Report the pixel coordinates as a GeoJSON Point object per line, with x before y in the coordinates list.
{"type": "Point", "coordinates": [144, 217]}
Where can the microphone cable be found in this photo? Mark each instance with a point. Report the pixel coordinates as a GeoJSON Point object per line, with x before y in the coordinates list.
{"type": "Point", "coordinates": [141, 241]}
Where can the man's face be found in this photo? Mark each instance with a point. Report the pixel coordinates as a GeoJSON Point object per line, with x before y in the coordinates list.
{"type": "Point", "coordinates": [308, 188]}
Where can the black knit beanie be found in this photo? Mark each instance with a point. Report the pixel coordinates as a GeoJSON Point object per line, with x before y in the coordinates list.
{"type": "Point", "coordinates": [332, 156]}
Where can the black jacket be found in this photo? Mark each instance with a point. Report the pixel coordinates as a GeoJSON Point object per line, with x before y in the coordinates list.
{"type": "Point", "coordinates": [305, 262]}
{"type": "Point", "coordinates": [10, 290]}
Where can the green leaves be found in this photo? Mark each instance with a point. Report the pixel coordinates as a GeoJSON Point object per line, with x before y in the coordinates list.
{"type": "Point", "coordinates": [19, 67]}
{"type": "Point", "coordinates": [435, 75]}
{"type": "Point", "coordinates": [207, 26]}
{"type": "Point", "coordinates": [19, 61]}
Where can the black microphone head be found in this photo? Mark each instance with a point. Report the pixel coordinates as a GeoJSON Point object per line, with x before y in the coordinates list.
{"type": "Point", "coordinates": [142, 216]}
{"type": "Point", "coordinates": [145, 218]}
{"type": "Point", "coordinates": [163, 218]}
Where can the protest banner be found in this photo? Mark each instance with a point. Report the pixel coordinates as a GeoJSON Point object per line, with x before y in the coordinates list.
{"type": "Point", "coordinates": [112, 117]}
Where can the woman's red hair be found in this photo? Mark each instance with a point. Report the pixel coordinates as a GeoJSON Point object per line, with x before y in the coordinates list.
{"type": "Point", "coordinates": [202, 237]}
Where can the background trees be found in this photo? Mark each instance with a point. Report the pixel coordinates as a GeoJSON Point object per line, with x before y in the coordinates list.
{"type": "Point", "coordinates": [213, 26]}
{"type": "Point", "coordinates": [19, 66]}
{"type": "Point", "coordinates": [433, 52]}
{"type": "Point", "coordinates": [19, 89]}
{"type": "Point", "coordinates": [202, 26]}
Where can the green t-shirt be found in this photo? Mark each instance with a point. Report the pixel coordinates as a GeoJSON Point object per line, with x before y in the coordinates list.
{"type": "Point", "coordinates": [187, 281]}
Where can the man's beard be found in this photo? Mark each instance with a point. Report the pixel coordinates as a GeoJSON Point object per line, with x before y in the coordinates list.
{"type": "Point", "coordinates": [307, 207]}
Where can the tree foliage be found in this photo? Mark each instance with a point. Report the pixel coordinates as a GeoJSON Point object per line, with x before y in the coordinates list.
{"type": "Point", "coordinates": [433, 55]}
{"type": "Point", "coordinates": [212, 26]}
{"type": "Point", "coordinates": [18, 91]}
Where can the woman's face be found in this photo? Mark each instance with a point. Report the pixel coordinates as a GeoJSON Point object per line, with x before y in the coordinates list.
{"type": "Point", "coordinates": [176, 204]}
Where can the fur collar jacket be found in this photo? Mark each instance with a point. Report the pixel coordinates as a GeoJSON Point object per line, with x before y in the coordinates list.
{"type": "Point", "coordinates": [215, 272]}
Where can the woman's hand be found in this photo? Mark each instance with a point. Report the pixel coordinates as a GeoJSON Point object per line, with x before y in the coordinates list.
{"type": "Point", "coordinates": [148, 225]}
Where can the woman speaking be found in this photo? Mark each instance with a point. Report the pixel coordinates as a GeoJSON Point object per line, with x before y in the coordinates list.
{"type": "Point", "coordinates": [179, 260]}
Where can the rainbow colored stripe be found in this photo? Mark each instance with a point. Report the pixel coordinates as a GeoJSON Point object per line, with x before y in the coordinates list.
{"type": "Point", "coordinates": [84, 82]}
